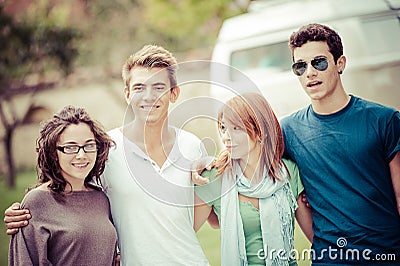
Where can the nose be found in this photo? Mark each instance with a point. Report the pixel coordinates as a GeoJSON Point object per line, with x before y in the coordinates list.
{"type": "Point", "coordinates": [81, 153]}
{"type": "Point", "coordinates": [149, 94]}
{"type": "Point", "coordinates": [310, 71]}
{"type": "Point", "coordinates": [225, 136]}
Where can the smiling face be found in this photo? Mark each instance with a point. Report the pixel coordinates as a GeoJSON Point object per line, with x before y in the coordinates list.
{"type": "Point", "coordinates": [150, 93]}
{"type": "Point", "coordinates": [76, 167]}
{"type": "Point", "coordinates": [320, 86]}
{"type": "Point", "coordinates": [236, 140]}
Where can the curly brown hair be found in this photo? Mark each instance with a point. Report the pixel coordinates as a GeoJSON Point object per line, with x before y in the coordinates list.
{"type": "Point", "coordinates": [317, 33]}
{"type": "Point", "coordinates": [48, 168]}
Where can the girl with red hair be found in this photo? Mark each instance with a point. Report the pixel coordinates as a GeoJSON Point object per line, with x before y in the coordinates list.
{"type": "Point", "coordinates": [254, 192]}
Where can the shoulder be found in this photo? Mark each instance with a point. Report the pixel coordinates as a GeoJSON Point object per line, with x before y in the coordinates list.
{"type": "Point", "coordinates": [212, 174]}
{"type": "Point", "coordinates": [292, 169]}
{"type": "Point", "coordinates": [373, 108]}
{"type": "Point", "coordinates": [115, 134]}
{"type": "Point", "coordinates": [35, 198]}
{"type": "Point", "coordinates": [190, 146]}
{"type": "Point", "coordinates": [184, 136]}
{"type": "Point", "coordinates": [118, 138]}
{"type": "Point", "coordinates": [289, 164]}
{"type": "Point", "coordinates": [293, 118]}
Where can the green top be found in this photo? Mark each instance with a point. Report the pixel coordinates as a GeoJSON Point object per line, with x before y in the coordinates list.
{"type": "Point", "coordinates": [211, 194]}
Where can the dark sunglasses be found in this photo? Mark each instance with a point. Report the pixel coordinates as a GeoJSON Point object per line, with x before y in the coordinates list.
{"type": "Point", "coordinates": [319, 63]}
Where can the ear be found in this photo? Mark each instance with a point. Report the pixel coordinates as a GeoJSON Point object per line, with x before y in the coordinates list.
{"type": "Point", "coordinates": [341, 64]}
{"type": "Point", "coordinates": [127, 94]}
{"type": "Point", "coordinates": [175, 91]}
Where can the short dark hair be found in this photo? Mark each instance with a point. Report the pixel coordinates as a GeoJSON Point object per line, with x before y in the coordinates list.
{"type": "Point", "coordinates": [317, 33]}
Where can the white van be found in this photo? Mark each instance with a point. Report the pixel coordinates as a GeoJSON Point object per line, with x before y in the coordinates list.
{"type": "Point", "coordinates": [256, 43]}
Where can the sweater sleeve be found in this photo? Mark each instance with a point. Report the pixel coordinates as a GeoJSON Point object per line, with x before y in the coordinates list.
{"type": "Point", "coordinates": [29, 245]}
{"type": "Point", "coordinates": [18, 253]}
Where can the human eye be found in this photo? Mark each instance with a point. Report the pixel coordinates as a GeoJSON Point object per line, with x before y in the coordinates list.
{"type": "Point", "coordinates": [222, 127]}
{"type": "Point", "coordinates": [138, 88]}
{"type": "Point", "coordinates": [319, 59]}
{"type": "Point", "coordinates": [238, 128]}
{"type": "Point", "coordinates": [91, 147]}
{"type": "Point", "coordinates": [159, 87]}
{"type": "Point", "coordinates": [71, 148]}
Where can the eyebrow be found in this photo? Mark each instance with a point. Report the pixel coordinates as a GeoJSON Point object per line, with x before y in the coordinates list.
{"type": "Point", "coordinates": [138, 84]}
{"type": "Point", "coordinates": [159, 83]}
{"type": "Point", "coordinates": [74, 142]}
{"type": "Point", "coordinates": [154, 84]}
{"type": "Point", "coordinates": [317, 56]}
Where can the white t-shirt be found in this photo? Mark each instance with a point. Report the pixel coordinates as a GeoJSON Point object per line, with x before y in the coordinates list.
{"type": "Point", "coordinates": [152, 207]}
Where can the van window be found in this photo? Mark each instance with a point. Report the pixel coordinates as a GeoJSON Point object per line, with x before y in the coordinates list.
{"type": "Point", "coordinates": [270, 58]}
{"type": "Point", "coordinates": [381, 41]}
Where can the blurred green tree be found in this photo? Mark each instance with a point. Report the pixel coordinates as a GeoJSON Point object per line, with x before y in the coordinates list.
{"type": "Point", "coordinates": [29, 50]}
{"type": "Point", "coordinates": [45, 39]}
{"type": "Point", "coordinates": [117, 28]}
{"type": "Point", "coordinates": [190, 23]}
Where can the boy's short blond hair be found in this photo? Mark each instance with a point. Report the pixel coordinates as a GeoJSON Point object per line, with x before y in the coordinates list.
{"type": "Point", "coordinates": [151, 56]}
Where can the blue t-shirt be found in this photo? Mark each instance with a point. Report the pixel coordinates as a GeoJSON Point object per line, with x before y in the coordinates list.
{"type": "Point", "coordinates": [344, 163]}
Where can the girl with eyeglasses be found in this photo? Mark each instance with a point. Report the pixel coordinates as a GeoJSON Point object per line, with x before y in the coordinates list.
{"type": "Point", "coordinates": [71, 221]}
{"type": "Point", "coordinates": [253, 191]}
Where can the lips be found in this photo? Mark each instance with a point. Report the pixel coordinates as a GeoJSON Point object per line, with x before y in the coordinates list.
{"type": "Point", "coordinates": [80, 165]}
{"type": "Point", "coordinates": [149, 106]}
{"type": "Point", "coordinates": [230, 147]}
{"type": "Point", "coordinates": [313, 84]}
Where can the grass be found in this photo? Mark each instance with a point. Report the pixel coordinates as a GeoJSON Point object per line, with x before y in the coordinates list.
{"type": "Point", "coordinates": [210, 242]}
{"type": "Point", "coordinates": [7, 197]}
{"type": "Point", "coordinates": [209, 238]}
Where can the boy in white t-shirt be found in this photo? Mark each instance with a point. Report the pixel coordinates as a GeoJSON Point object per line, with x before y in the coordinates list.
{"type": "Point", "coordinates": [147, 176]}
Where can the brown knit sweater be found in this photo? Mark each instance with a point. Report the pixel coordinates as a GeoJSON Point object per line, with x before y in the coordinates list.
{"type": "Point", "coordinates": [77, 231]}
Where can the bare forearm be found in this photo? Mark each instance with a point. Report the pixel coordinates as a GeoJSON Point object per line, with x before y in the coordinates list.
{"type": "Point", "coordinates": [304, 219]}
{"type": "Point", "coordinates": [394, 166]}
{"type": "Point", "coordinates": [201, 213]}
{"type": "Point", "coordinates": [213, 220]}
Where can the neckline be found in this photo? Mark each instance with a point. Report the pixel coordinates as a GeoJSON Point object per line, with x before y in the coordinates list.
{"type": "Point", "coordinates": [171, 157]}
{"type": "Point", "coordinates": [337, 113]}
{"type": "Point", "coordinates": [67, 193]}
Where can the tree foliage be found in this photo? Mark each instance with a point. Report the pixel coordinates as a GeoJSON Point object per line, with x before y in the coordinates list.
{"type": "Point", "coordinates": [29, 47]}
{"type": "Point", "coordinates": [117, 28]}
{"type": "Point", "coordinates": [188, 24]}
{"type": "Point", "coordinates": [52, 36]}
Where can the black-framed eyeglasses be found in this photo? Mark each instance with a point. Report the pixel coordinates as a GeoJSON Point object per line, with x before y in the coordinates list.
{"type": "Point", "coordinates": [319, 63]}
{"type": "Point", "coordinates": [74, 149]}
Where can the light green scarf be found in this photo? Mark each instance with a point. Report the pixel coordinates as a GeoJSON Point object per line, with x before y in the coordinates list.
{"type": "Point", "coordinates": [277, 204]}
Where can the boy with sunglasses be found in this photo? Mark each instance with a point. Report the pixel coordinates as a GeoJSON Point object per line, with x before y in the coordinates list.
{"type": "Point", "coordinates": [347, 150]}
